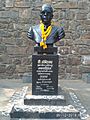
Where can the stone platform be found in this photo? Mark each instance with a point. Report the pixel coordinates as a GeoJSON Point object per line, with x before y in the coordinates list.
{"type": "Point", "coordinates": [48, 112]}
{"type": "Point", "coordinates": [42, 107]}
{"type": "Point", "coordinates": [45, 100]}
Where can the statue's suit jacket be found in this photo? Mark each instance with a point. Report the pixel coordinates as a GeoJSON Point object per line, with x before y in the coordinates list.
{"type": "Point", "coordinates": [56, 34]}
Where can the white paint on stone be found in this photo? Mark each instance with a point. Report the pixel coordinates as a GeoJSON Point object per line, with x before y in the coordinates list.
{"type": "Point", "coordinates": [44, 97]}
{"type": "Point", "coordinates": [44, 108]}
{"type": "Point", "coordinates": [79, 106]}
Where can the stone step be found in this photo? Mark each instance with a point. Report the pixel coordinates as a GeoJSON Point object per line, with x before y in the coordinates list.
{"type": "Point", "coordinates": [45, 112]}
{"type": "Point", "coordinates": [45, 100]}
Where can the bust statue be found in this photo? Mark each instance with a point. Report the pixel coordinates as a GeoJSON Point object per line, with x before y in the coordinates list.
{"type": "Point", "coordinates": [45, 34]}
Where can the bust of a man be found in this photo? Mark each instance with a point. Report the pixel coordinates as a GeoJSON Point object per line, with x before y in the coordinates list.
{"type": "Point", "coordinates": [46, 34]}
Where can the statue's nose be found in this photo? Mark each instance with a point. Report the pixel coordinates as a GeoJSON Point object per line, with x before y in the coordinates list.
{"type": "Point", "coordinates": [45, 14]}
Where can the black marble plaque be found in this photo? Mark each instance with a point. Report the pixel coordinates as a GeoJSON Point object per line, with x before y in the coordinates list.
{"type": "Point", "coordinates": [45, 74]}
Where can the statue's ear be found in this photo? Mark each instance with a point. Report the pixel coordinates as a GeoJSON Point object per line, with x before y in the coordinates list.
{"type": "Point", "coordinates": [51, 16]}
{"type": "Point", "coordinates": [40, 15]}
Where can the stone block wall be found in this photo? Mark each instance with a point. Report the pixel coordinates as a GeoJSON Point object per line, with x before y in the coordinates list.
{"type": "Point", "coordinates": [16, 16]}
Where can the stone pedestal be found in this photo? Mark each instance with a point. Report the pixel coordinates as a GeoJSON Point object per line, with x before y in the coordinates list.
{"type": "Point", "coordinates": [26, 106]}
{"type": "Point", "coordinates": [45, 112]}
{"type": "Point", "coordinates": [45, 74]}
{"type": "Point", "coordinates": [45, 71]}
{"type": "Point", "coordinates": [55, 100]}
{"type": "Point", "coordinates": [45, 102]}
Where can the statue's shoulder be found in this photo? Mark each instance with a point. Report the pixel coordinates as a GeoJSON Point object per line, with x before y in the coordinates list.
{"type": "Point", "coordinates": [58, 28]}
{"type": "Point", "coordinates": [36, 27]}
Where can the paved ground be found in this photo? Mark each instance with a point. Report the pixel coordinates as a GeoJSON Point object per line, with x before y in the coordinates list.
{"type": "Point", "coordinates": [79, 87]}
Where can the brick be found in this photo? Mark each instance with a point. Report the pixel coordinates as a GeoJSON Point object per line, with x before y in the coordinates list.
{"type": "Point", "coordinates": [87, 22]}
{"type": "Point", "coordinates": [62, 60]}
{"type": "Point", "coordinates": [16, 61]}
{"type": "Point", "coordinates": [10, 69]}
{"type": "Point", "coordinates": [15, 50]}
{"type": "Point", "coordinates": [86, 60]}
{"type": "Point", "coordinates": [88, 41]}
{"type": "Point", "coordinates": [35, 15]}
{"type": "Point", "coordinates": [5, 33]}
{"type": "Point", "coordinates": [69, 15]}
{"type": "Point", "coordinates": [5, 59]}
{"type": "Point", "coordinates": [23, 68]}
{"type": "Point", "coordinates": [19, 42]}
{"type": "Point", "coordinates": [78, 42]}
{"type": "Point", "coordinates": [82, 4]}
{"type": "Point", "coordinates": [64, 50]}
{"type": "Point", "coordinates": [68, 35]}
{"type": "Point", "coordinates": [29, 68]}
{"type": "Point", "coordinates": [73, 60]}
{"type": "Point", "coordinates": [2, 68]}
{"type": "Point", "coordinates": [74, 49]}
{"type": "Point", "coordinates": [68, 42]}
{"type": "Point", "coordinates": [61, 69]}
{"type": "Point", "coordinates": [68, 69]}
{"type": "Point", "coordinates": [86, 36]}
{"type": "Point", "coordinates": [86, 77]}
{"type": "Point", "coordinates": [47, 1]}
{"type": "Point", "coordinates": [26, 60]}
{"type": "Point", "coordinates": [8, 40]}
{"type": "Point", "coordinates": [65, 5]}
{"type": "Point", "coordinates": [67, 76]}
{"type": "Point", "coordinates": [75, 76]}
{"type": "Point", "coordinates": [75, 35]}
{"type": "Point", "coordinates": [3, 26]}
{"type": "Point", "coordinates": [10, 3]}
{"type": "Point", "coordinates": [4, 20]}
{"type": "Point", "coordinates": [81, 16]}
{"type": "Point", "coordinates": [25, 13]}
{"type": "Point", "coordinates": [87, 28]}
{"type": "Point", "coordinates": [22, 4]}
{"type": "Point", "coordinates": [62, 15]}
{"type": "Point", "coordinates": [75, 70]}
{"type": "Point", "coordinates": [81, 29]}
{"type": "Point", "coordinates": [88, 16]}
{"type": "Point", "coordinates": [60, 43]}
{"type": "Point", "coordinates": [10, 26]}
{"type": "Point", "coordinates": [9, 14]}
{"type": "Point", "coordinates": [73, 25]}
{"type": "Point", "coordinates": [56, 15]}
{"type": "Point", "coordinates": [3, 48]}
{"type": "Point", "coordinates": [84, 50]}
{"type": "Point", "coordinates": [23, 27]}
{"type": "Point", "coordinates": [84, 69]}
{"type": "Point", "coordinates": [20, 69]}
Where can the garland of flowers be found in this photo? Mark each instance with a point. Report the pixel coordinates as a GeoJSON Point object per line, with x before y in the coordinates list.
{"type": "Point", "coordinates": [45, 34]}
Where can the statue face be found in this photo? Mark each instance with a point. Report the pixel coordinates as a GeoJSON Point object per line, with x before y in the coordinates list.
{"type": "Point", "coordinates": [46, 17]}
{"type": "Point", "coordinates": [46, 14]}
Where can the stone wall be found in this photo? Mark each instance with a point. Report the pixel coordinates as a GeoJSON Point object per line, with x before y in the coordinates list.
{"type": "Point", "coordinates": [16, 16]}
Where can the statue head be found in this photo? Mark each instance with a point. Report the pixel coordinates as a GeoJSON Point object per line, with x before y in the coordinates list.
{"type": "Point", "coordinates": [46, 14]}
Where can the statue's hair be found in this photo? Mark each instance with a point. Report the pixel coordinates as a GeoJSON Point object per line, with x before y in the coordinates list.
{"type": "Point", "coordinates": [47, 6]}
